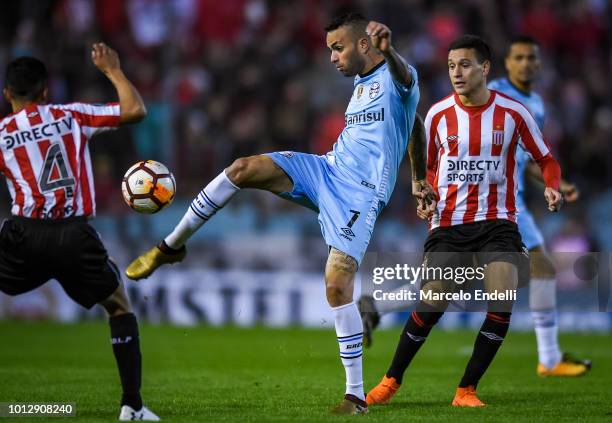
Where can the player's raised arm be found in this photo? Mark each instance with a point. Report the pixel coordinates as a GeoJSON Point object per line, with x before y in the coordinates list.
{"type": "Point", "coordinates": [107, 60]}
{"type": "Point", "coordinates": [380, 35]}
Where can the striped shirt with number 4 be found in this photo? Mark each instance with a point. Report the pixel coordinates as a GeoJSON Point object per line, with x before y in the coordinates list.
{"type": "Point", "coordinates": [45, 157]}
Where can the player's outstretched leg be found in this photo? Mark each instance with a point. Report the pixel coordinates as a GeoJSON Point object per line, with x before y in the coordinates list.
{"type": "Point", "coordinates": [126, 348]}
{"type": "Point", "coordinates": [542, 301]}
{"type": "Point", "coordinates": [413, 336]}
{"type": "Point", "coordinates": [248, 172]}
{"type": "Point", "coordinates": [339, 278]}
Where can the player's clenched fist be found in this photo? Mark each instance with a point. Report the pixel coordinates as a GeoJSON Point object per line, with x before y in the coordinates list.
{"type": "Point", "coordinates": [553, 198]}
{"type": "Point", "coordinates": [380, 35]}
{"type": "Point", "coordinates": [104, 57]}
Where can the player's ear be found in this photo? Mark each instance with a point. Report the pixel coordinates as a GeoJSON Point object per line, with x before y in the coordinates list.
{"type": "Point", "coordinates": [364, 44]}
{"type": "Point", "coordinates": [486, 67]}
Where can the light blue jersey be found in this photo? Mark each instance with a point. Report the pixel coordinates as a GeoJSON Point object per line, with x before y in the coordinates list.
{"type": "Point", "coordinates": [378, 122]}
{"type": "Point", "coordinates": [531, 235]}
{"type": "Point", "coordinates": [350, 185]}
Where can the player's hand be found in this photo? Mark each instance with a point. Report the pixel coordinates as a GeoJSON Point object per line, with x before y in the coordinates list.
{"type": "Point", "coordinates": [104, 57]}
{"type": "Point", "coordinates": [570, 191]}
{"type": "Point", "coordinates": [380, 35]}
{"type": "Point", "coordinates": [426, 198]}
{"type": "Point", "coordinates": [553, 198]}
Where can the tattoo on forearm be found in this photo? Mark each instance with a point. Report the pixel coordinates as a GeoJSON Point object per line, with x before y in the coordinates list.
{"type": "Point", "coordinates": [416, 149]}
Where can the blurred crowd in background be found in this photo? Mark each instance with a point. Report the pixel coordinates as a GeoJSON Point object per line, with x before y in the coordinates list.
{"type": "Point", "coordinates": [224, 79]}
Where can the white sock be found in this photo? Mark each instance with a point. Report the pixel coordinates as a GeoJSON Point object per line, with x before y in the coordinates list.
{"type": "Point", "coordinates": [543, 303]}
{"type": "Point", "coordinates": [350, 339]}
{"type": "Point", "coordinates": [546, 329]}
{"type": "Point", "coordinates": [210, 200]}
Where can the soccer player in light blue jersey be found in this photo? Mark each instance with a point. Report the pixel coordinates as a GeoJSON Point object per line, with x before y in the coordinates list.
{"type": "Point", "coordinates": [347, 187]}
{"type": "Point", "coordinates": [522, 66]}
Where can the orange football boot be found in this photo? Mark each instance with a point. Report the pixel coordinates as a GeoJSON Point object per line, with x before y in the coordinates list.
{"type": "Point", "coordinates": [466, 397]}
{"type": "Point", "coordinates": [383, 392]}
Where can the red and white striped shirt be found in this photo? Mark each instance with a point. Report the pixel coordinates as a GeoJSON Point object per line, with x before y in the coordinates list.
{"type": "Point", "coordinates": [45, 157]}
{"type": "Point", "coordinates": [471, 158]}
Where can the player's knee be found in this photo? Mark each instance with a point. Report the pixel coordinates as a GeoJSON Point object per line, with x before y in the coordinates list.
{"type": "Point", "coordinates": [338, 295]}
{"type": "Point", "coordinates": [117, 304]}
{"type": "Point", "coordinates": [241, 170]}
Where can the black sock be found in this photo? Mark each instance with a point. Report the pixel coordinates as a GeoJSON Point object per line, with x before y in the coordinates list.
{"type": "Point", "coordinates": [126, 347]}
{"type": "Point", "coordinates": [166, 249]}
{"type": "Point", "coordinates": [413, 336]}
{"type": "Point", "coordinates": [488, 341]}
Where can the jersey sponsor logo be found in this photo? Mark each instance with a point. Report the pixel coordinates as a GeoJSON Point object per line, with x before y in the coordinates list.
{"type": "Point", "coordinates": [287, 154]}
{"type": "Point", "coordinates": [38, 133]}
{"type": "Point", "coordinates": [364, 117]}
{"type": "Point", "coordinates": [473, 165]}
{"type": "Point", "coordinates": [374, 89]}
{"type": "Point", "coordinates": [54, 213]}
{"type": "Point", "coordinates": [457, 170]}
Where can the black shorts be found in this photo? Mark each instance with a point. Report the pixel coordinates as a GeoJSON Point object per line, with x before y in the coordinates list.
{"type": "Point", "coordinates": [32, 251]}
{"type": "Point", "coordinates": [477, 244]}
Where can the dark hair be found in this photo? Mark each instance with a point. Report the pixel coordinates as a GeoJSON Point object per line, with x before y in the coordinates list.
{"type": "Point", "coordinates": [521, 39]}
{"type": "Point", "coordinates": [353, 19]}
{"type": "Point", "coordinates": [26, 78]}
{"type": "Point", "coordinates": [483, 52]}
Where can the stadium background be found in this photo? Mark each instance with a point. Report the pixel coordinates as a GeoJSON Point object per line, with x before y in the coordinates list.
{"type": "Point", "coordinates": [240, 77]}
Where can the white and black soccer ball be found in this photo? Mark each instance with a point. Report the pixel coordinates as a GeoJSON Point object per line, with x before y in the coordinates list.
{"type": "Point", "coordinates": [148, 187]}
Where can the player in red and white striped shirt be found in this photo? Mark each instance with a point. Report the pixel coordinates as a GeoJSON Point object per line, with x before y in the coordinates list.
{"type": "Point", "coordinates": [471, 153]}
{"type": "Point", "coordinates": [472, 137]}
{"type": "Point", "coordinates": [44, 155]}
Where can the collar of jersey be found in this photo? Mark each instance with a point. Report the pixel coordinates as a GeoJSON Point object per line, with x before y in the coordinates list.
{"type": "Point", "coordinates": [471, 110]}
{"type": "Point", "coordinates": [371, 71]}
{"type": "Point", "coordinates": [517, 89]}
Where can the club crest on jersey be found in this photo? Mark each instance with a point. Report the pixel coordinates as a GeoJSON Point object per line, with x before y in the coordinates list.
{"type": "Point", "coordinates": [359, 91]}
{"type": "Point", "coordinates": [374, 89]}
{"type": "Point", "coordinates": [498, 138]}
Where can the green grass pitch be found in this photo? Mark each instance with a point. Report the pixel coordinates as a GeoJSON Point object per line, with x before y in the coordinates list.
{"type": "Point", "coordinates": [261, 374]}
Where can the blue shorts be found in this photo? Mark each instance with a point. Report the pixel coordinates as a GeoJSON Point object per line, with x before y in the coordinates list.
{"type": "Point", "coordinates": [347, 211]}
{"type": "Point", "coordinates": [532, 237]}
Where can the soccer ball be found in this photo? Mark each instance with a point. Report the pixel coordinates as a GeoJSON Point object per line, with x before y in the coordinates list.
{"type": "Point", "coordinates": [148, 187]}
